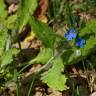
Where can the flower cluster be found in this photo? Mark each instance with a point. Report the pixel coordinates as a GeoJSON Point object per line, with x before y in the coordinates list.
{"type": "Point", "coordinates": [71, 34]}
{"type": "Point", "coordinates": [80, 42]}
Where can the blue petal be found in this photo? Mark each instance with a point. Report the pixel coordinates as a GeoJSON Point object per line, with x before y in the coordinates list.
{"type": "Point", "coordinates": [66, 35]}
{"type": "Point", "coordinates": [80, 42]}
{"type": "Point", "coordinates": [70, 34]}
{"type": "Point", "coordinates": [72, 30]}
{"type": "Point", "coordinates": [69, 38]}
{"type": "Point", "coordinates": [74, 35]}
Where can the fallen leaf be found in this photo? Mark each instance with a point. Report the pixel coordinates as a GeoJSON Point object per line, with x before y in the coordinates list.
{"type": "Point", "coordinates": [41, 10]}
{"type": "Point", "coordinates": [30, 37]}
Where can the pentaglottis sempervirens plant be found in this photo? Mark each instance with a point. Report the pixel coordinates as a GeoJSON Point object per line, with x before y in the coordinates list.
{"type": "Point", "coordinates": [53, 57]}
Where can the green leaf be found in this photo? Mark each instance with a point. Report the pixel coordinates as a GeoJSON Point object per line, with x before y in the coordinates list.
{"type": "Point", "coordinates": [90, 28]}
{"type": "Point", "coordinates": [89, 34]}
{"type": "Point", "coordinates": [54, 77]}
{"type": "Point", "coordinates": [7, 57]}
{"type": "Point", "coordinates": [44, 55]}
{"type": "Point", "coordinates": [43, 32]}
{"type": "Point", "coordinates": [3, 12]}
{"type": "Point", "coordinates": [10, 21]}
{"type": "Point", "coordinates": [3, 38]}
{"type": "Point", "coordinates": [27, 8]}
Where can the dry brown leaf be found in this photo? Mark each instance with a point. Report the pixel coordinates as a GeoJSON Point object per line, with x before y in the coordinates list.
{"type": "Point", "coordinates": [42, 8]}
{"type": "Point", "coordinates": [12, 8]}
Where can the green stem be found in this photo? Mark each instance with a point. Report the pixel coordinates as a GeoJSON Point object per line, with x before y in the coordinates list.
{"type": "Point", "coordinates": [31, 85]}
{"type": "Point", "coordinates": [28, 64]}
{"type": "Point", "coordinates": [17, 83]}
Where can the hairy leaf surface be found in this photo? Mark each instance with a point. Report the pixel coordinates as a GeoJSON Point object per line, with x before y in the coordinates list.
{"type": "Point", "coordinates": [54, 77]}
{"type": "Point", "coordinates": [44, 55]}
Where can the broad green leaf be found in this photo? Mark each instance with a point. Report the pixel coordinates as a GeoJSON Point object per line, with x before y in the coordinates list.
{"type": "Point", "coordinates": [43, 32]}
{"type": "Point", "coordinates": [7, 57]}
{"type": "Point", "coordinates": [44, 55]}
{"type": "Point", "coordinates": [54, 77]}
{"type": "Point", "coordinates": [89, 34]}
{"type": "Point", "coordinates": [27, 8]}
{"type": "Point", "coordinates": [3, 12]}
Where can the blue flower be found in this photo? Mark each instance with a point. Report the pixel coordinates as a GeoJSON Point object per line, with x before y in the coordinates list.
{"type": "Point", "coordinates": [80, 42]}
{"type": "Point", "coordinates": [71, 33]}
